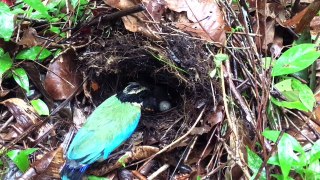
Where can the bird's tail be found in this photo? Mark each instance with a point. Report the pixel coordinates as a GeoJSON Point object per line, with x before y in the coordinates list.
{"type": "Point", "coordinates": [71, 172]}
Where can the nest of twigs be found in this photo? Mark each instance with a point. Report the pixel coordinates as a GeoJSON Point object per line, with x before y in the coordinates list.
{"type": "Point", "coordinates": [179, 65]}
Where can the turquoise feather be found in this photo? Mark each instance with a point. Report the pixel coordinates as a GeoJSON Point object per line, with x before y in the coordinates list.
{"type": "Point", "coordinates": [106, 128]}
{"type": "Point", "coordinates": [111, 123]}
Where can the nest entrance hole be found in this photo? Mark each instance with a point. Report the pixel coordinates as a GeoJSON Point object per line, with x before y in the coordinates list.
{"type": "Point", "coordinates": [156, 75]}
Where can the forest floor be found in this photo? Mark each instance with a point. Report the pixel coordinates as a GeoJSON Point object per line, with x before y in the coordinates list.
{"type": "Point", "coordinates": [239, 78]}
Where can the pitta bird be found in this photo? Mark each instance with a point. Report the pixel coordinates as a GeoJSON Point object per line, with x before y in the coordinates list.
{"type": "Point", "coordinates": [111, 123]}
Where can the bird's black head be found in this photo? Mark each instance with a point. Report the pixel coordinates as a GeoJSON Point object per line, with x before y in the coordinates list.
{"type": "Point", "coordinates": [133, 93]}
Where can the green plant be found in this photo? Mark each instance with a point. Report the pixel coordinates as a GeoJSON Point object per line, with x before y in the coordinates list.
{"type": "Point", "coordinates": [295, 59]}
{"type": "Point", "coordinates": [19, 74]}
{"type": "Point", "coordinates": [20, 158]}
{"type": "Point", "coordinates": [6, 22]}
{"type": "Point", "coordinates": [238, 29]}
{"type": "Point", "coordinates": [97, 178]}
{"type": "Point", "coordinates": [35, 10]}
{"type": "Point", "coordinates": [218, 59]}
{"type": "Point", "coordinates": [291, 156]}
{"type": "Point", "coordinates": [298, 95]}
{"type": "Point", "coordinates": [40, 107]}
{"type": "Point", "coordinates": [122, 160]}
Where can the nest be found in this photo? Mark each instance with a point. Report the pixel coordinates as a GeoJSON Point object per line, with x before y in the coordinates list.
{"type": "Point", "coordinates": [178, 65]}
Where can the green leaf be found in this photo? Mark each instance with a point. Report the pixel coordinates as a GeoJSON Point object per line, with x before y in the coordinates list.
{"type": "Point", "coordinates": [290, 105]}
{"type": "Point", "coordinates": [291, 96]}
{"type": "Point", "coordinates": [20, 158]}
{"type": "Point", "coordinates": [267, 62]}
{"type": "Point", "coordinates": [280, 177]}
{"type": "Point", "coordinates": [273, 135]}
{"type": "Point", "coordinates": [284, 85]}
{"type": "Point", "coordinates": [219, 58]}
{"type": "Point", "coordinates": [6, 22]}
{"type": "Point", "coordinates": [298, 95]}
{"type": "Point", "coordinates": [313, 171]}
{"type": "Point", "coordinates": [52, 5]}
{"type": "Point", "coordinates": [38, 15]}
{"type": "Point", "coordinates": [55, 29]}
{"type": "Point", "coordinates": [5, 63]}
{"type": "Point", "coordinates": [315, 151]}
{"type": "Point", "coordinates": [74, 3]}
{"type": "Point", "coordinates": [40, 107]}
{"type": "Point", "coordinates": [286, 156]}
{"type": "Point", "coordinates": [37, 5]}
{"type": "Point", "coordinates": [97, 178]}
{"type": "Point", "coordinates": [213, 73]}
{"type": "Point", "coordinates": [122, 160]}
{"type": "Point", "coordinates": [274, 160]}
{"type": "Point", "coordinates": [57, 53]}
{"type": "Point", "coordinates": [305, 94]}
{"type": "Point", "coordinates": [295, 59]}
{"type": "Point", "coordinates": [255, 162]}
{"type": "Point", "coordinates": [32, 53]}
{"type": "Point", "coordinates": [21, 77]}
{"type": "Point", "coordinates": [17, 11]}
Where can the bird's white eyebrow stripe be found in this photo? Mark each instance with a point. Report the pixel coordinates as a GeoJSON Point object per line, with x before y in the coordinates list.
{"type": "Point", "coordinates": [137, 91]}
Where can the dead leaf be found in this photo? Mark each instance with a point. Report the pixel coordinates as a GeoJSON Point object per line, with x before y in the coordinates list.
{"type": "Point", "coordinates": [272, 13]}
{"type": "Point", "coordinates": [44, 131]}
{"type": "Point", "coordinates": [155, 8]}
{"type": "Point", "coordinates": [8, 136]}
{"type": "Point", "coordinates": [275, 11]}
{"type": "Point", "coordinates": [23, 112]}
{"type": "Point", "coordinates": [295, 19]}
{"type": "Point", "coordinates": [195, 155]}
{"type": "Point", "coordinates": [302, 19]}
{"type": "Point", "coordinates": [312, 10]}
{"type": "Point", "coordinates": [304, 130]}
{"type": "Point", "coordinates": [9, 2]}
{"type": "Point", "coordinates": [62, 79]}
{"type": "Point", "coordinates": [30, 39]}
{"type": "Point", "coordinates": [4, 92]}
{"type": "Point", "coordinates": [134, 23]}
{"type": "Point", "coordinates": [317, 114]}
{"type": "Point", "coordinates": [182, 177]}
{"type": "Point", "coordinates": [95, 86]}
{"type": "Point", "coordinates": [216, 117]}
{"type": "Point", "coordinates": [206, 19]}
{"type": "Point", "coordinates": [137, 153]}
{"type": "Point", "coordinates": [48, 167]}
{"type": "Point", "coordinates": [34, 75]}
{"type": "Point", "coordinates": [317, 96]}
{"type": "Point", "coordinates": [315, 25]}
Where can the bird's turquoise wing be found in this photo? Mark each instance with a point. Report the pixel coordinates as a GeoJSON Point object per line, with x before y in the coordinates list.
{"type": "Point", "coordinates": [106, 128]}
